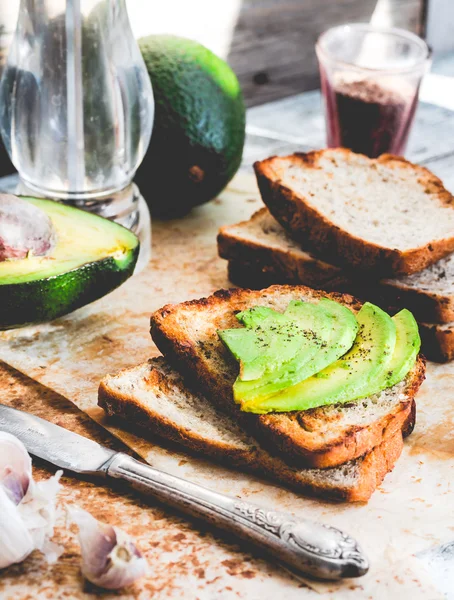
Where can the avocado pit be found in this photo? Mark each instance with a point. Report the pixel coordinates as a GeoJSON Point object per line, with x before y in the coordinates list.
{"type": "Point", "coordinates": [24, 229]}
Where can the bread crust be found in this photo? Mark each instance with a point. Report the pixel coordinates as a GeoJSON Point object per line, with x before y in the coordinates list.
{"type": "Point", "coordinates": [283, 430]}
{"type": "Point", "coordinates": [377, 464]}
{"type": "Point", "coordinates": [371, 469]}
{"type": "Point", "coordinates": [298, 216]}
{"type": "Point", "coordinates": [128, 407]}
{"type": "Point", "coordinates": [424, 304]}
{"type": "Point", "coordinates": [256, 275]}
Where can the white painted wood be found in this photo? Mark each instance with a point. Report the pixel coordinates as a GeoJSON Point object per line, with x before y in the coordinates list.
{"type": "Point", "coordinates": [440, 25]}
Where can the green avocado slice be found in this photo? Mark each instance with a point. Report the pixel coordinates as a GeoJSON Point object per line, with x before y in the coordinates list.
{"type": "Point", "coordinates": [336, 330]}
{"type": "Point", "coordinates": [271, 339]}
{"type": "Point", "coordinates": [253, 345]}
{"type": "Point", "coordinates": [254, 316]}
{"type": "Point", "coordinates": [242, 343]}
{"type": "Point", "coordinates": [408, 344]}
{"type": "Point", "coordinates": [352, 376]}
{"type": "Point", "coordinates": [92, 257]}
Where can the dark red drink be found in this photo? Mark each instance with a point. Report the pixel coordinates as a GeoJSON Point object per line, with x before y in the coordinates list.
{"type": "Point", "coordinates": [367, 116]}
{"type": "Point", "coordinates": [370, 82]}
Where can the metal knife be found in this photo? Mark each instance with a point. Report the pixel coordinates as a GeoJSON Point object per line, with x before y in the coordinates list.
{"type": "Point", "coordinates": [305, 547]}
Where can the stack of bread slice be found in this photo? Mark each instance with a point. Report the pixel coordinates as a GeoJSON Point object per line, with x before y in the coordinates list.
{"type": "Point", "coordinates": [339, 222]}
{"type": "Point", "coordinates": [382, 229]}
{"type": "Point", "coordinates": [338, 452]}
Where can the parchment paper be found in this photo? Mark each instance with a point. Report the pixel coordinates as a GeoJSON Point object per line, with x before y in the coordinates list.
{"type": "Point", "coordinates": [412, 510]}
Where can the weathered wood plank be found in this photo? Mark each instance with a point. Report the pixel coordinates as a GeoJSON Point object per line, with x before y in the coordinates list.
{"type": "Point", "coordinates": [272, 48]}
{"type": "Point", "coordinates": [440, 19]}
{"type": "Point", "coordinates": [271, 41]}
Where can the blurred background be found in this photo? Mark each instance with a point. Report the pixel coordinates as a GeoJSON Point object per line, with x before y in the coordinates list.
{"type": "Point", "coordinates": [270, 43]}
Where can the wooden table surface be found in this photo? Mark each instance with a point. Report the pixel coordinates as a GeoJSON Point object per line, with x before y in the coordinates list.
{"type": "Point", "coordinates": [278, 127]}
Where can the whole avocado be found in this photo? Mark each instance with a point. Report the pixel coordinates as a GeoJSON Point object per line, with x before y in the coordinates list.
{"type": "Point", "coordinates": [198, 136]}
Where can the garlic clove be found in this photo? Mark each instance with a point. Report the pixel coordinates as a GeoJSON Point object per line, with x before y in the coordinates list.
{"type": "Point", "coordinates": [38, 511]}
{"type": "Point", "coordinates": [27, 509]}
{"type": "Point", "coordinates": [16, 543]}
{"type": "Point", "coordinates": [110, 559]}
{"type": "Point", "coordinates": [97, 540]}
{"type": "Point", "coordinates": [15, 467]}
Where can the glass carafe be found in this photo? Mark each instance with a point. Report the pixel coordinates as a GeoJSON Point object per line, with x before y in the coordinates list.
{"type": "Point", "coordinates": [76, 103]}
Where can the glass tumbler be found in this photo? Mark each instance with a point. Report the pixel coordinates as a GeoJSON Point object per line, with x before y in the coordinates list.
{"type": "Point", "coordinates": [76, 104]}
{"type": "Point", "coordinates": [370, 80]}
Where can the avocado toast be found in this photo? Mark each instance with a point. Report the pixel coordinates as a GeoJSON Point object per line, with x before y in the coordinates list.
{"type": "Point", "coordinates": [326, 436]}
{"type": "Point", "coordinates": [318, 382]}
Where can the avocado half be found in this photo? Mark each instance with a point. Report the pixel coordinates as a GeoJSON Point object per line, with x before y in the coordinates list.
{"type": "Point", "coordinates": [92, 256]}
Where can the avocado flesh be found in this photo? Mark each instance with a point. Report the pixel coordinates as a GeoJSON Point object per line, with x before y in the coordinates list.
{"type": "Point", "coordinates": [408, 344]}
{"type": "Point", "coordinates": [82, 238]}
{"type": "Point", "coordinates": [271, 339]}
{"type": "Point", "coordinates": [351, 377]}
{"type": "Point", "coordinates": [250, 345]}
{"type": "Point", "coordinates": [92, 257]}
{"type": "Point", "coordinates": [307, 327]}
{"type": "Point", "coordinates": [337, 334]}
{"type": "Point", "coordinates": [242, 344]}
{"type": "Point", "coordinates": [254, 316]}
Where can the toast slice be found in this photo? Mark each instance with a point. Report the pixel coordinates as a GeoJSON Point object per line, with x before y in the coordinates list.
{"type": "Point", "coordinates": [265, 246]}
{"type": "Point", "coordinates": [386, 214]}
{"type": "Point", "coordinates": [429, 293]}
{"type": "Point", "coordinates": [264, 241]}
{"type": "Point", "coordinates": [154, 397]}
{"type": "Point", "coordinates": [323, 437]}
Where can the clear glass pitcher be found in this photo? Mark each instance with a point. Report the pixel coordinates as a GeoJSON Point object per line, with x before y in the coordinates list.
{"type": "Point", "coordinates": [76, 103]}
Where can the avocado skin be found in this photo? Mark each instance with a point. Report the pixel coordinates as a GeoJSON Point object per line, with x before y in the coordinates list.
{"type": "Point", "coordinates": [199, 127]}
{"type": "Point", "coordinates": [46, 299]}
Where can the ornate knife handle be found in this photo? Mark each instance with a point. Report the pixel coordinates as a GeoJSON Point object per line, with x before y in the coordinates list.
{"type": "Point", "coordinates": [306, 547]}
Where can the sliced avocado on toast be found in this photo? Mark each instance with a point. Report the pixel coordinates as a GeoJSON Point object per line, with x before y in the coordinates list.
{"type": "Point", "coordinates": [317, 334]}
{"type": "Point", "coordinates": [330, 435]}
{"type": "Point", "coordinates": [383, 352]}
{"type": "Point", "coordinates": [271, 340]}
{"type": "Point", "coordinates": [91, 257]}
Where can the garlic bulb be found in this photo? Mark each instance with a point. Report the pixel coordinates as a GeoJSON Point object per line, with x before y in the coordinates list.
{"type": "Point", "coordinates": [27, 508]}
{"type": "Point", "coordinates": [110, 558]}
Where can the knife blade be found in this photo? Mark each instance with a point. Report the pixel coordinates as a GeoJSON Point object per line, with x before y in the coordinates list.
{"type": "Point", "coordinates": [306, 547]}
{"type": "Point", "coordinates": [59, 446]}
